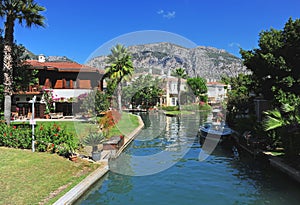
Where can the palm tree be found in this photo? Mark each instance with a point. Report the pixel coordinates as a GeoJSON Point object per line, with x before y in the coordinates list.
{"type": "Point", "coordinates": [120, 67]}
{"type": "Point", "coordinates": [179, 73]}
{"type": "Point", "coordinates": [286, 120]}
{"type": "Point", "coordinates": [26, 12]}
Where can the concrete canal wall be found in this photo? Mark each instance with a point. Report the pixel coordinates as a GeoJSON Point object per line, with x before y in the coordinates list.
{"type": "Point", "coordinates": [76, 192]}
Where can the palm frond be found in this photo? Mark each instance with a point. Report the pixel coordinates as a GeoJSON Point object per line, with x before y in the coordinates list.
{"type": "Point", "coordinates": [275, 113]}
{"type": "Point", "coordinates": [272, 123]}
{"type": "Point", "coordinates": [287, 108]}
{"type": "Point", "coordinates": [274, 120]}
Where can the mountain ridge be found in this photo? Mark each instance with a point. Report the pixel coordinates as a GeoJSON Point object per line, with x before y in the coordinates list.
{"type": "Point", "coordinates": [163, 57]}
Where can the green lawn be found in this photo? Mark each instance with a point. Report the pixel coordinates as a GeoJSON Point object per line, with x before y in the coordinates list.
{"type": "Point", "coordinates": [79, 129]}
{"type": "Point", "coordinates": [29, 178]}
{"type": "Point", "coordinates": [126, 125]}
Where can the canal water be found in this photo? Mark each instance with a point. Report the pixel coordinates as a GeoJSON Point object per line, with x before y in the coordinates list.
{"type": "Point", "coordinates": [162, 166]}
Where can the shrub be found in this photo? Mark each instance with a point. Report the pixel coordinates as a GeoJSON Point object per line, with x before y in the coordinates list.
{"type": "Point", "coordinates": [170, 108]}
{"type": "Point", "coordinates": [190, 107]}
{"type": "Point", "coordinates": [109, 120]}
{"type": "Point", "coordinates": [93, 139]}
{"type": "Point", "coordinates": [11, 136]}
{"type": "Point", "coordinates": [51, 139]}
{"type": "Point", "coordinates": [55, 139]}
{"type": "Point", "coordinates": [204, 106]}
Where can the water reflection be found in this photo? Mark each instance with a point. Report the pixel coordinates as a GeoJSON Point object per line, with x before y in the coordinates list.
{"type": "Point", "coordinates": [158, 146]}
{"type": "Point", "coordinates": [220, 179]}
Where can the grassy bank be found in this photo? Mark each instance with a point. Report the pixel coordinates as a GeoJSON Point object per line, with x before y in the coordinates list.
{"type": "Point", "coordinates": [29, 178]}
{"type": "Point", "coordinates": [126, 125]}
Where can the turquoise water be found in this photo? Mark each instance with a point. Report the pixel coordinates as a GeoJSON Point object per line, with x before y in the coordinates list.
{"type": "Point", "coordinates": [220, 179]}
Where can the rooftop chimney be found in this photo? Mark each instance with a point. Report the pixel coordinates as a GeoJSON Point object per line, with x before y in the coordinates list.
{"type": "Point", "coordinates": [42, 58]}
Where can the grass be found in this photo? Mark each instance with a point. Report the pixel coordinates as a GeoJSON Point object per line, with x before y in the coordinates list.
{"type": "Point", "coordinates": [28, 178]}
{"type": "Point", "coordinates": [79, 129]}
{"type": "Point", "coordinates": [126, 125]}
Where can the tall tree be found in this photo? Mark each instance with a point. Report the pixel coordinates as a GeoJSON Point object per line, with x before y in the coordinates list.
{"type": "Point", "coordinates": [275, 67]}
{"type": "Point", "coordinates": [239, 99]}
{"type": "Point", "coordinates": [145, 90]}
{"type": "Point", "coordinates": [23, 73]}
{"type": "Point", "coordinates": [120, 67]}
{"type": "Point", "coordinates": [179, 73]}
{"type": "Point", "coordinates": [27, 13]}
{"type": "Point", "coordinates": [199, 88]}
{"type": "Point", "coordinates": [275, 64]}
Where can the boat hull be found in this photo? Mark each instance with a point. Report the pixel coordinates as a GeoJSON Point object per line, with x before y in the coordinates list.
{"type": "Point", "coordinates": [220, 134]}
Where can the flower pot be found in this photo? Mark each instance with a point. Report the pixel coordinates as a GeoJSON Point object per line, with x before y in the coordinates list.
{"type": "Point", "coordinates": [73, 158]}
{"type": "Point", "coordinates": [96, 156]}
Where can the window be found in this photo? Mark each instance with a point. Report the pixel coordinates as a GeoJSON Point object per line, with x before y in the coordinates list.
{"type": "Point", "coordinates": [173, 101]}
{"type": "Point", "coordinates": [67, 83]}
{"type": "Point", "coordinates": [74, 84]}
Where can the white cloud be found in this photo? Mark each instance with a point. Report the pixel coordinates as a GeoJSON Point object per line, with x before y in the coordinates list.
{"type": "Point", "coordinates": [168, 15]}
{"type": "Point", "coordinates": [234, 44]}
{"type": "Point", "coordinates": [160, 11]}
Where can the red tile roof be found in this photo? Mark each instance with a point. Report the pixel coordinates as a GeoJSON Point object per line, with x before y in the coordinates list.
{"type": "Point", "coordinates": [215, 83]}
{"type": "Point", "coordinates": [64, 66]}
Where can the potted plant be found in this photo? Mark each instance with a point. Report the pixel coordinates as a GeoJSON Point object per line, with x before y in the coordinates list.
{"type": "Point", "coordinates": [47, 113]}
{"type": "Point", "coordinates": [94, 139]}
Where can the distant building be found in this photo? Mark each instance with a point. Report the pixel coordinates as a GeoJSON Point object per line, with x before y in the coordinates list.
{"type": "Point", "coordinates": [171, 95]}
{"type": "Point", "coordinates": [216, 92]}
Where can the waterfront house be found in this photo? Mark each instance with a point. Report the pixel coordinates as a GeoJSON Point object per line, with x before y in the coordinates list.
{"type": "Point", "coordinates": [65, 80]}
{"type": "Point", "coordinates": [171, 95]}
{"type": "Point", "coordinates": [216, 91]}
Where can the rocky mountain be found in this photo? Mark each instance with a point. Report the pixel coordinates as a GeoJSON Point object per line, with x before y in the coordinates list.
{"type": "Point", "coordinates": [30, 55]}
{"type": "Point", "coordinates": [162, 58]}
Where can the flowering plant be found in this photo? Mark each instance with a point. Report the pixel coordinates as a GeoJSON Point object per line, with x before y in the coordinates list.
{"type": "Point", "coordinates": [109, 120]}
{"type": "Point", "coordinates": [48, 99]}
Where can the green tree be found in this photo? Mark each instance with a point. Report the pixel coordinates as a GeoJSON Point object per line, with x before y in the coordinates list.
{"type": "Point", "coordinates": [198, 87]}
{"type": "Point", "coordinates": [179, 73]}
{"type": "Point", "coordinates": [23, 74]}
{"type": "Point", "coordinates": [145, 90]}
{"type": "Point", "coordinates": [275, 64]}
{"type": "Point", "coordinates": [120, 67]}
{"type": "Point", "coordinates": [275, 68]}
{"type": "Point", "coordinates": [95, 102]}
{"type": "Point", "coordinates": [25, 12]}
{"type": "Point", "coordinates": [239, 99]}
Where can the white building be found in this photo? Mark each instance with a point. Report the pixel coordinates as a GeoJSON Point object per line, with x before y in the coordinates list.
{"type": "Point", "coordinates": [216, 92]}
{"type": "Point", "coordinates": [171, 96]}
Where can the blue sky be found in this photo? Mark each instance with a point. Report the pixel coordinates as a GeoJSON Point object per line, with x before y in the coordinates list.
{"type": "Point", "coordinates": [76, 28]}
